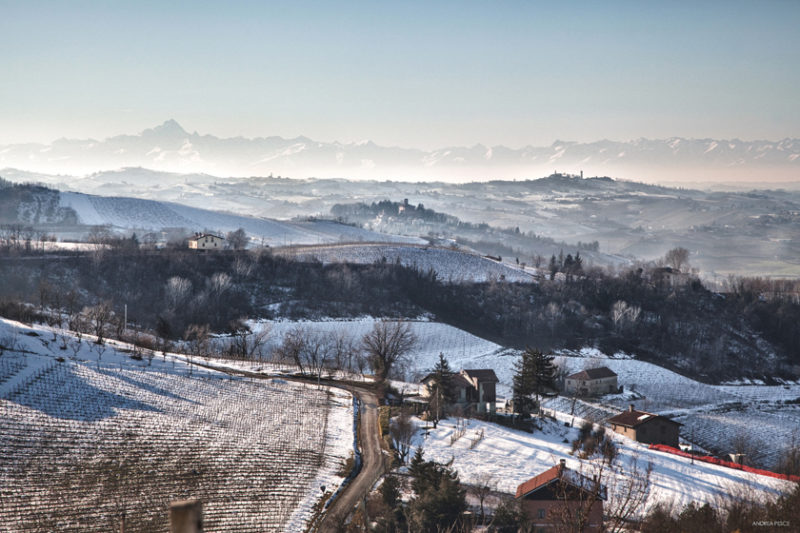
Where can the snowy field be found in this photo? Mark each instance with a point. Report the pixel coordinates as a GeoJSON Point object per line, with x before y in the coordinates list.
{"type": "Point", "coordinates": [98, 433]}
{"type": "Point", "coordinates": [450, 265]}
{"type": "Point", "coordinates": [138, 214]}
{"type": "Point", "coordinates": [512, 457]}
{"type": "Point", "coordinates": [462, 349]}
{"type": "Point", "coordinates": [715, 418]}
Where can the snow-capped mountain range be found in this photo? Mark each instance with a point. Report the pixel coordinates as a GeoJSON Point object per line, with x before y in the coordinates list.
{"type": "Point", "coordinates": [169, 147]}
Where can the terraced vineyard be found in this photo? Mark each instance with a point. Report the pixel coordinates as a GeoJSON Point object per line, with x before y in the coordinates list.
{"type": "Point", "coordinates": [84, 441]}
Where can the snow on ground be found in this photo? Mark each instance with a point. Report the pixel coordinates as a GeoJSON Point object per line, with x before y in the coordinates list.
{"type": "Point", "coordinates": [651, 387]}
{"type": "Point", "coordinates": [462, 349]}
{"type": "Point", "coordinates": [134, 213]}
{"type": "Point", "coordinates": [714, 417]}
{"type": "Point", "coordinates": [450, 265]}
{"type": "Point", "coordinates": [717, 418]}
{"type": "Point", "coordinates": [513, 457]}
{"type": "Point", "coordinates": [255, 451]}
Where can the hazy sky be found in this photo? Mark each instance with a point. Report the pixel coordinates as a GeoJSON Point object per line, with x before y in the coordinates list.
{"type": "Point", "coordinates": [418, 74]}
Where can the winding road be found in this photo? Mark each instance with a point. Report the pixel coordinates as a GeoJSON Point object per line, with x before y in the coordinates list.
{"type": "Point", "coordinates": [371, 468]}
{"type": "Point", "coordinates": [369, 443]}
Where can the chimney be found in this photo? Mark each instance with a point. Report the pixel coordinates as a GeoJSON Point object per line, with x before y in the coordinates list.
{"type": "Point", "coordinates": [561, 466]}
{"type": "Point", "coordinates": [630, 408]}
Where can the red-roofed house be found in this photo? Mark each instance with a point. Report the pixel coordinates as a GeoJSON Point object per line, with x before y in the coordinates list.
{"type": "Point", "coordinates": [646, 427]}
{"type": "Point", "coordinates": [562, 499]}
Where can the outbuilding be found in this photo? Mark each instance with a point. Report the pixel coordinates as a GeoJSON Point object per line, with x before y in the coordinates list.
{"type": "Point", "coordinates": [647, 428]}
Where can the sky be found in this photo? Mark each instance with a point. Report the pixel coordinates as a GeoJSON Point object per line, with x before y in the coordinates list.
{"type": "Point", "coordinates": [413, 74]}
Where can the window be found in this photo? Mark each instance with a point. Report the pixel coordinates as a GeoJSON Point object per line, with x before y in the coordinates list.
{"type": "Point", "coordinates": [541, 513]}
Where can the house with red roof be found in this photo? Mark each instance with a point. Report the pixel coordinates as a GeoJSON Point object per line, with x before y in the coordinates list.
{"type": "Point", "coordinates": [561, 499]}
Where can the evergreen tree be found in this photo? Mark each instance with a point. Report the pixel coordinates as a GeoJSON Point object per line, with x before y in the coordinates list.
{"type": "Point", "coordinates": [534, 372]}
{"type": "Point", "coordinates": [569, 266]}
{"type": "Point", "coordinates": [553, 267]}
{"type": "Point", "coordinates": [442, 390]}
{"type": "Point", "coordinates": [439, 499]}
{"type": "Point", "coordinates": [578, 263]}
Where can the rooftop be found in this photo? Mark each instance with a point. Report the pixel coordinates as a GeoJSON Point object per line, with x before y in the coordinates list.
{"type": "Point", "coordinates": [559, 471]}
{"type": "Point", "coordinates": [593, 373]}
{"type": "Point", "coordinates": [482, 374]}
{"type": "Point", "coordinates": [632, 418]}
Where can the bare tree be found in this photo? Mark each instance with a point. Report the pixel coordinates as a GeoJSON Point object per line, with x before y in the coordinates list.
{"type": "Point", "coordinates": [99, 316]}
{"type": "Point", "coordinates": [402, 431]}
{"type": "Point", "coordinates": [197, 339]}
{"type": "Point", "coordinates": [291, 349]}
{"type": "Point", "coordinates": [677, 257]}
{"type": "Point", "coordinates": [237, 239]}
{"type": "Point", "coordinates": [386, 344]}
{"type": "Point", "coordinates": [343, 351]}
{"type": "Point", "coordinates": [485, 484]}
{"type": "Point", "coordinates": [624, 315]}
{"type": "Point", "coordinates": [245, 343]}
{"type": "Point", "coordinates": [318, 354]}
{"type": "Point", "coordinates": [623, 489]}
{"type": "Point", "coordinates": [176, 291]}
{"type": "Point", "coordinates": [749, 448]}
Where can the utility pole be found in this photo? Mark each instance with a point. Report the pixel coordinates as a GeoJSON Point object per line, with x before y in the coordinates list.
{"type": "Point", "coordinates": [125, 323]}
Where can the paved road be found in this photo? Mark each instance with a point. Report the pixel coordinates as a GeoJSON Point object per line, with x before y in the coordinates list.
{"type": "Point", "coordinates": [371, 469]}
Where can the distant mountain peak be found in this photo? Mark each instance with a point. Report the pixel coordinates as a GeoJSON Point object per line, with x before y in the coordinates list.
{"type": "Point", "coordinates": [170, 128]}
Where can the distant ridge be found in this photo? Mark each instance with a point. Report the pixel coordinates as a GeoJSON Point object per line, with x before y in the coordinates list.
{"type": "Point", "coordinates": [169, 147]}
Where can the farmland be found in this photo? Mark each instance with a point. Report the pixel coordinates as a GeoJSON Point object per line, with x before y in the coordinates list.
{"type": "Point", "coordinates": [450, 265]}
{"type": "Point", "coordinates": [513, 457]}
{"type": "Point", "coordinates": [88, 433]}
{"type": "Point", "coordinates": [716, 418]}
{"type": "Point", "coordinates": [148, 215]}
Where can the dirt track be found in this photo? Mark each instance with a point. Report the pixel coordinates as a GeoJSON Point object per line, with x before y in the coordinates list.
{"type": "Point", "coordinates": [371, 469]}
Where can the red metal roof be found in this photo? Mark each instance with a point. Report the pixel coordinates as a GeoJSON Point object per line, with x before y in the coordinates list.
{"type": "Point", "coordinates": [570, 477]}
{"type": "Point", "coordinates": [539, 481]}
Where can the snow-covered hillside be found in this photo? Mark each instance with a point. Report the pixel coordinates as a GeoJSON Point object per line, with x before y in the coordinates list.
{"type": "Point", "coordinates": [717, 418]}
{"type": "Point", "coordinates": [87, 432]}
{"type": "Point", "coordinates": [462, 349]}
{"type": "Point", "coordinates": [450, 265]}
{"type": "Point", "coordinates": [137, 214]}
{"type": "Point", "coordinates": [764, 420]}
{"type": "Point", "coordinates": [513, 457]}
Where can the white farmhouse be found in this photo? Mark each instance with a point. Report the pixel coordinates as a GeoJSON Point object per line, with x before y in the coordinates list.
{"type": "Point", "coordinates": [206, 241]}
{"type": "Point", "coordinates": [591, 382]}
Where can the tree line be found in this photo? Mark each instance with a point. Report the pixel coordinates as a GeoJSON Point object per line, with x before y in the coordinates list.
{"type": "Point", "coordinates": [688, 328]}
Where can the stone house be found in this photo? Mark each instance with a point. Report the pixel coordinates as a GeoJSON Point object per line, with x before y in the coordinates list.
{"type": "Point", "coordinates": [591, 382]}
{"type": "Point", "coordinates": [646, 428]}
{"type": "Point", "coordinates": [474, 388]}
